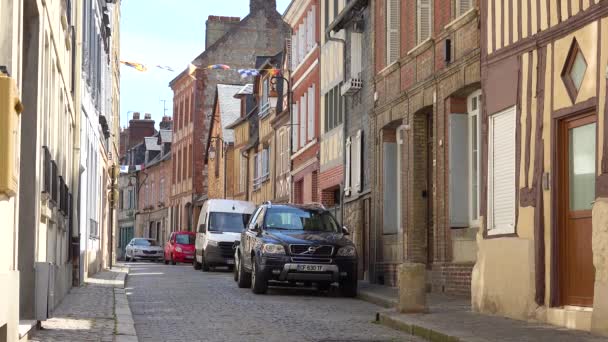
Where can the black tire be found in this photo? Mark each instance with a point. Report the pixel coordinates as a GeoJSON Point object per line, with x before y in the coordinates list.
{"type": "Point", "coordinates": [204, 265]}
{"type": "Point", "coordinates": [235, 272]}
{"type": "Point", "coordinates": [173, 262]}
{"type": "Point", "coordinates": [230, 268]}
{"type": "Point", "coordinates": [243, 277]}
{"type": "Point", "coordinates": [348, 287]}
{"type": "Point", "coordinates": [259, 284]}
{"type": "Point", "coordinates": [197, 266]}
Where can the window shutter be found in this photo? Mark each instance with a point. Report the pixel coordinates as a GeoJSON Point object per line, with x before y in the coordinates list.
{"type": "Point", "coordinates": [358, 168]}
{"type": "Point", "coordinates": [292, 48]}
{"type": "Point", "coordinates": [255, 167]}
{"type": "Point", "coordinates": [392, 27]}
{"type": "Point", "coordinates": [279, 163]}
{"type": "Point", "coordinates": [312, 20]}
{"type": "Point", "coordinates": [302, 121]}
{"type": "Point", "coordinates": [347, 172]}
{"type": "Point", "coordinates": [311, 112]}
{"type": "Point", "coordinates": [424, 20]}
{"type": "Point", "coordinates": [458, 154]}
{"type": "Point", "coordinates": [265, 162]}
{"type": "Point", "coordinates": [296, 128]}
{"type": "Point", "coordinates": [502, 172]}
{"type": "Point", "coordinates": [302, 42]}
{"type": "Point", "coordinates": [463, 6]}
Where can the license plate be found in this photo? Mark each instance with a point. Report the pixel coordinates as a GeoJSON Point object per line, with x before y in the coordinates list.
{"type": "Point", "coordinates": [230, 262]}
{"type": "Point", "coordinates": [310, 268]}
{"type": "Point", "coordinates": [189, 256]}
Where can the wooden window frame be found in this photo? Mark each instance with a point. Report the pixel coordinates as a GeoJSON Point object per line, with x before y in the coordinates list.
{"type": "Point", "coordinates": [565, 75]}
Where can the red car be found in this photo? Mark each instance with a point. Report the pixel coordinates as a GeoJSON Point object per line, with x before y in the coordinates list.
{"type": "Point", "coordinates": [180, 248]}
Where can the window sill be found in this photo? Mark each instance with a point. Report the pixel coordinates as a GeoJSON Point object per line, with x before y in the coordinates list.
{"type": "Point", "coordinates": [389, 69]}
{"type": "Point", "coordinates": [461, 20]}
{"type": "Point", "coordinates": [420, 48]}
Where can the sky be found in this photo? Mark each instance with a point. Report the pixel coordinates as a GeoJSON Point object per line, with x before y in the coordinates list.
{"type": "Point", "coordinates": [169, 33]}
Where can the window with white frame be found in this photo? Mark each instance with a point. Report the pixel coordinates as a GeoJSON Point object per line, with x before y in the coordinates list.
{"type": "Point", "coordinates": [424, 20]}
{"type": "Point", "coordinates": [393, 20]}
{"type": "Point", "coordinates": [501, 172]}
{"type": "Point", "coordinates": [264, 103]}
{"type": "Point", "coordinates": [295, 114]}
{"type": "Point", "coordinates": [303, 120]}
{"type": "Point", "coordinates": [303, 40]}
{"type": "Point", "coordinates": [465, 161]}
{"type": "Point", "coordinates": [462, 6]}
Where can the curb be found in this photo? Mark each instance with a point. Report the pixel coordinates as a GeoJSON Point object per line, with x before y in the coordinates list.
{"type": "Point", "coordinates": [374, 298]}
{"type": "Point", "coordinates": [388, 319]}
{"type": "Point", "coordinates": [124, 329]}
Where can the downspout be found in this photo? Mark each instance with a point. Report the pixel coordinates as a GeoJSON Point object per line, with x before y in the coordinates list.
{"type": "Point", "coordinates": [224, 150]}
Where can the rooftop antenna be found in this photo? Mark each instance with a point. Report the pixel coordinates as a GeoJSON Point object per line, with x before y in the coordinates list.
{"type": "Point", "coordinates": [164, 107]}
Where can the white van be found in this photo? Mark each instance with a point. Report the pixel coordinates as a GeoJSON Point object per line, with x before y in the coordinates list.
{"type": "Point", "coordinates": [219, 225]}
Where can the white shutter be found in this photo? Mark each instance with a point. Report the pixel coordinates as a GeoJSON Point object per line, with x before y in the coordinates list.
{"type": "Point", "coordinates": [279, 163]}
{"type": "Point", "coordinates": [392, 30]}
{"type": "Point", "coordinates": [302, 121]}
{"type": "Point", "coordinates": [358, 184]}
{"type": "Point", "coordinates": [347, 172]}
{"type": "Point", "coordinates": [356, 54]}
{"type": "Point", "coordinates": [424, 20]}
{"type": "Point", "coordinates": [294, 54]}
{"type": "Point", "coordinates": [501, 162]}
{"type": "Point", "coordinates": [311, 112]}
{"type": "Point", "coordinates": [302, 42]}
{"type": "Point", "coordinates": [296, 128]}
{"type": "Point", "coordinates": [313, 27]}
{"type": "Point", "coordinates": [458, 165]}
{"type": "Point", "coordinates": [463, 6]}
{"type": "Point", "coordinates": [265, 168]}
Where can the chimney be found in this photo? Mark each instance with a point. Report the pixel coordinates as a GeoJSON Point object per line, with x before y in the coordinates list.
{"type": "Point", "coordinates": [148, 116]}
{"type": "Point", "coordinates": [217, 26]}
{"type": "Point", "coordinates": [262, 5]}
{"type": "Point", "coordinates": [136, 116]}
{"type": "Point", "coordinates": [166, 123]}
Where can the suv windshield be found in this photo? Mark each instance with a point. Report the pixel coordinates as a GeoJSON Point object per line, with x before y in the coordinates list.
{"type": "Point", "coordinates": [185, 239]}
{"type": "Point", "coordinates": [288, 218]}
{"type": "Point", "coordinates": [144, 242]}
{"type": "Point", "coordinates": [228, 222]}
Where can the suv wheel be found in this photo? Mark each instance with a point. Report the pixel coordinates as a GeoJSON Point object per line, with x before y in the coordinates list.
{"type": "Point", "coordinates": [348, 286]}
{"type": "Point", "coordinates": [243, 278]}
{"type": "Point", "coordinates": [196, 264]}
{"type": "Point", "coordinates": [259, 284]}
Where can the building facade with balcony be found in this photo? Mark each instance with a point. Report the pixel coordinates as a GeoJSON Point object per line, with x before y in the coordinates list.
{"type": "Point", "coordinates": [355, 21]}
{"type": "Point", "coordinates": [426, 126]}
{"type": "Point", "coordinates": [543, 240]}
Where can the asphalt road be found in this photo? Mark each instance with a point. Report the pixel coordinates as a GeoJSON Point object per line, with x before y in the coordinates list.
{"type": "Point", "coordinates": [177, 303]}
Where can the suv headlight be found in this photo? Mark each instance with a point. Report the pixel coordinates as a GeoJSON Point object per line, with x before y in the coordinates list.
{"type": "Point", "coordinates": [347, 251]}
{"type": "Point", "coordinates": [212, 243]}
{"type": "Point", "coordinates": [178, 249]}
{"type": "Point", "coordinates": [273, 249]}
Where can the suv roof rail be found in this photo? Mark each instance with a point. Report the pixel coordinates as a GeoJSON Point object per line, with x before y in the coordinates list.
{"type": "Point", "coordinates": [268, 203]}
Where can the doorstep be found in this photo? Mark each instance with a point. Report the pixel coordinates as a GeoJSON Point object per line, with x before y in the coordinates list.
{"type": "Point", "coordinates": [25, 327]}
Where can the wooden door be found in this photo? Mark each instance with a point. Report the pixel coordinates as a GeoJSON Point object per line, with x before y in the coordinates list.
{"type": "Point", "coordinates": [430, 190]}
{"type": "Point", "coordinates": [576, 186]}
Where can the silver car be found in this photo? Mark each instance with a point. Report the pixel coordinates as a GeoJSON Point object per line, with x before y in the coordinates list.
{"type": "Point", "coordinates": [143, 249]}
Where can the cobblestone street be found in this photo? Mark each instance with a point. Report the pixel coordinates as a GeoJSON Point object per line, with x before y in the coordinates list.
{"type": "Point", "coordinates": [176, 303]}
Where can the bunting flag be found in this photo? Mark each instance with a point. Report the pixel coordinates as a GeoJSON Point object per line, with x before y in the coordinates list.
{"type": "Point", "coordinates": [165, 68]}
{"type": "Point", "coordinates": [248, 72]}
{"type": "Point", "coordinates": [124, 168]}
{"type": "Point", "coordinates": [219, 66]}
{"type": "Point", "coordinates": [137, 66]}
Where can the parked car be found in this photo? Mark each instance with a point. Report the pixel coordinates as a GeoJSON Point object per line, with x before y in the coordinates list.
{"type": "Point", "coordinates": [180, 248]}
{"type": "Point", "coordinates": [219, 225]}
{"type": "Point", "coordinates": [295, 244]}
{"type": "Point", "coordinates": [143, 249]}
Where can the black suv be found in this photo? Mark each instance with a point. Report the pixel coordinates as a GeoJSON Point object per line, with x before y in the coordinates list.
{"type": "Point", "coordinates": [291, 243]}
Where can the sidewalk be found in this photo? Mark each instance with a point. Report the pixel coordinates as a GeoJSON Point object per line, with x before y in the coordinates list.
{"type": "Point", "coordinates": [451, 319]}
{"type": "Point", "coordinates": [98, 311]}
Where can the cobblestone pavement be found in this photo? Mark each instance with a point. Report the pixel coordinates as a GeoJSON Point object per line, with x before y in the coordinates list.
{"type": "Point", "coordinates": [85, 314]}
{"type": "Point", "coordinates": [177, 303]}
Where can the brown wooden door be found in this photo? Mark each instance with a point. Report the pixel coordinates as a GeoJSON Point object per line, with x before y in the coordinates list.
{"type": "Point", "coordinates": [577, 155]}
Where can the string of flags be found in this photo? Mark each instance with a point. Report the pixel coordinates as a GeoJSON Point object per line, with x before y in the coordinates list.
{"type": "Point", "coordinates": [244, 73]}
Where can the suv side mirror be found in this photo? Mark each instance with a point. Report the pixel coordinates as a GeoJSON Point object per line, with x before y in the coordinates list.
{"type": "Point", "coordinates": [202, 228]}
{"type": "Point", "coordinates": [345, 231]}
{"type": "Point", "coordinates": [256, 228]}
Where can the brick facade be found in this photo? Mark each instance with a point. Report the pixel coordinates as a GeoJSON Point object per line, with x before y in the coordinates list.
{"type": "Point", "coordinates": [411, 97]}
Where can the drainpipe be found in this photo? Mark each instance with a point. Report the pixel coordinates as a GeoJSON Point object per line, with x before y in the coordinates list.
{"type": "Point", "coordinates": [224, 150]}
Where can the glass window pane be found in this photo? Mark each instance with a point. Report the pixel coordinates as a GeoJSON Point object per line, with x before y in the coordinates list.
{"type": "Point", "coordinates": [578, 70]}
{"type": "Point", "coordinates": [582, 167]}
